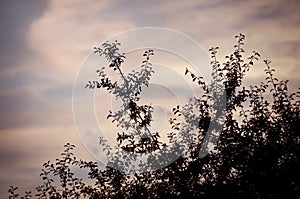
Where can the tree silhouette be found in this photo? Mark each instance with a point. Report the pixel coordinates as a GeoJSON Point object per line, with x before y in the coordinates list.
{"type": "Point", "coordinates": [256, 155]}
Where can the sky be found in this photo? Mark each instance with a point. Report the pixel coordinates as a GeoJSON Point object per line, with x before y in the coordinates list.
{"type": "Point", "coordinates": [44, 43]}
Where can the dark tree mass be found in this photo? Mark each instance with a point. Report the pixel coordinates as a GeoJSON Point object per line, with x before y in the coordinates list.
{"type": "Point", "coordinates": [255, 156]}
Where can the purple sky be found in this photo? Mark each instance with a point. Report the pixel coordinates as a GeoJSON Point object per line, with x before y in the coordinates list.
{"type": "Point", "coordinates": [43, 44]}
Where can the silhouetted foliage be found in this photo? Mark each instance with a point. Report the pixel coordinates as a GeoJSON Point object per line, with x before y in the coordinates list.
{"type": "Point", "coordinates": [256, 155]}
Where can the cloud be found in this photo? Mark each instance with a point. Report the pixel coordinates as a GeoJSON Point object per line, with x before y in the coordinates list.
{"type": "Point", "coordinates": [27, 100]}
{"type": "Point", "coordinates": [67, 32]}
{"type": "Point", "coordinates": [15, 18]}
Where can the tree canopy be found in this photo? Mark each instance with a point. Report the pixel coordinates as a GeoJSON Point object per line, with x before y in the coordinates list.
{"type": "Point", "coordinates": [256, 154]}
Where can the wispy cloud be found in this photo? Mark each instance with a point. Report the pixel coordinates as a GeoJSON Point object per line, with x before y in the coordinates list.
{"type": "Point", "coordinates": [67, 32]}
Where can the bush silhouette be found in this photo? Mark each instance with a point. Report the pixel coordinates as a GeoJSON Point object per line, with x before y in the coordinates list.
{"type": "Point", "coordinates": [256, 155]}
